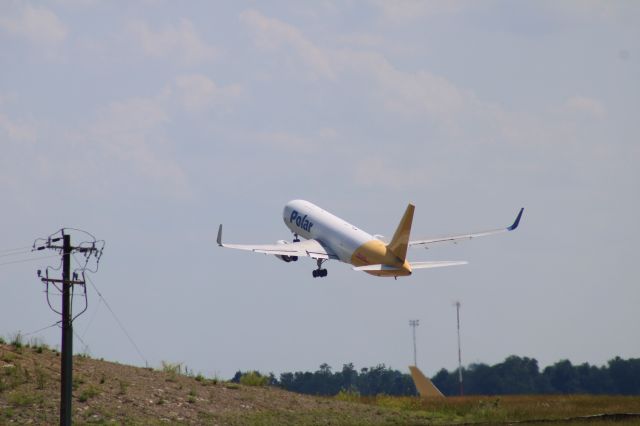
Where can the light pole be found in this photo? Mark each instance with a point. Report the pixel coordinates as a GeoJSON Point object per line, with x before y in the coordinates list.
{"type": "Point", "coordinates": [459, 350]}
{"type": "Point", "coordinates": [413, 324]}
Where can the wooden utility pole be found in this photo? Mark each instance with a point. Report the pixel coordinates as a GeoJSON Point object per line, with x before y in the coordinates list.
{"type": "Point", "coordinates": [67, 282]}
{"type": "Point", "coordinates": [66, 361]}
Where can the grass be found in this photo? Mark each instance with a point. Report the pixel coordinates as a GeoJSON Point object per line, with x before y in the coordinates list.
{"type": "Point", "coordinates": [29, 394]}
{"type": "Point", "coordinates": [41, 378]}
{"type": "Point", "coordinates": [493, 409]}
{"type": "Point", "coordinates": [23, 398]}
{"type": "Point", "coordinates": [16, 340]}
{"type": "Point", "coordinates": [173, 370]}
{"type": "Point", "coordinates": [88, 393]}
{"type": "Point", "coordinates": [122, 387]}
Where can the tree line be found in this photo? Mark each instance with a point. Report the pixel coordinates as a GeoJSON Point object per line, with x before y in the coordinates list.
{"type": "Point", "coordinates": [521, 375]}
{"type": "Point", "coordinates": [515, 375]}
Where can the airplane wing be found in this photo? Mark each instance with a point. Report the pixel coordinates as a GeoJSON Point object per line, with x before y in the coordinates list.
{"type": "Point", "coordinates": [454, 238]}
{"type": "Point", "coordinates": [310, 248]}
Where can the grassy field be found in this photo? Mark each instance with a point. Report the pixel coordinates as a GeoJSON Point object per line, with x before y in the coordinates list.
{"type": "Point", "coordinates": [111, 393]}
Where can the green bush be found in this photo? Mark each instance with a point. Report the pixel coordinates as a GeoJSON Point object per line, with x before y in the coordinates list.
{"type": "Point", "coordinates": [349, 395]}
{"type": "Point", "coordinates": [16, 340]}
{"type": "Point", "coordinates": [253, 378]}
{"type": "Point", "coordinates": [88, 393]}
{"type": "Point", "coordinates": [21, 399]}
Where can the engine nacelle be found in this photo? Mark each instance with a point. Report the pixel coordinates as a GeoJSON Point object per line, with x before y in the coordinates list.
{"type": "Point", "coordinates": [284, 257]}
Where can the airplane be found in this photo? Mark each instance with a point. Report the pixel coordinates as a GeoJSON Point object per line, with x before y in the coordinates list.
{"type": "Point", "coordinates": [329, 237]}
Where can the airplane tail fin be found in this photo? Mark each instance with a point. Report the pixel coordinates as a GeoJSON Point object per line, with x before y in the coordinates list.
{"type": "Point", "coordinates": [400, 240]}
{"type": "Point", "coordinates": [424, 386]}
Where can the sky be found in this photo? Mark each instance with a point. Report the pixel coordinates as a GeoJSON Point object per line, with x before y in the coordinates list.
{"type": "Point", "coordinates": [149, 123]}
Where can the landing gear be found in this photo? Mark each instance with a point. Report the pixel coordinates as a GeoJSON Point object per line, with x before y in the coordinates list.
{"type": "Point", "coordinates": [295, 240]}
{"type": "Point", "coordinates": [319, 273]}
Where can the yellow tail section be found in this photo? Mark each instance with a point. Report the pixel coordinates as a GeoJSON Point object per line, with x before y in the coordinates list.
{"type": "Point", "coordinates": [400, 241]}
{"type": "Point", "coordinates": [424, 386]}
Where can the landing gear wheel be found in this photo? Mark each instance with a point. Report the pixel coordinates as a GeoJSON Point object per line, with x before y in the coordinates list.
{"type": "Point", "coordinates": [320, 272]}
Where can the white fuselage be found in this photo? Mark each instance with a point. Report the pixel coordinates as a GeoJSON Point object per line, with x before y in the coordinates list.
{"type": "Point", "coordinates": [312, 222]}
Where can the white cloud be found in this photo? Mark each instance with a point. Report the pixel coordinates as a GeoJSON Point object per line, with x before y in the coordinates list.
{"type": "Point", "coordinates": [173, 42]}
{"type": "Point", "coordinates": [376, 172]}
{"type": "Point", "coordinates": [197, 92]}
{"type": "Point", "coordinates": [36, 24]}
{"type": "Point", "coordinates": [407, 10]}
{"type": "Point", "coordinates": [416, 94]}
{"type": "Point", "coordinates": [588, 106]}
{"type": "Point", "coordinates": [16, 132]}
{"type": "Point", "coordinates": [272, 34]}
{"type": "Point", "coordinates": [130, 133]}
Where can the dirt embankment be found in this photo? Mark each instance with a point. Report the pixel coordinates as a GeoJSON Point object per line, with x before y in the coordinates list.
{"type": "Point", "coordinates": [107, 392]}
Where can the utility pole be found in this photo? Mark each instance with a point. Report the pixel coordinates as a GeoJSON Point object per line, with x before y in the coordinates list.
{"type": "Point", "coordinates": [66, 362]}
{"type": "Point", "coordinates": [413, 324]}
{"type": "Point", "coordinates": [88, 249]}
{"type": "Point", "coordinates": [459, 350]}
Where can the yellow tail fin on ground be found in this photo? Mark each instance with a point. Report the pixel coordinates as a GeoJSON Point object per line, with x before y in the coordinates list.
{"type": "Point", "coordinates": [400, 241]}
{"type": "Point", "coordinates": [424, 386]}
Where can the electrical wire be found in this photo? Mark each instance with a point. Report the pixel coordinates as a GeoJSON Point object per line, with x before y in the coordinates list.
{"type": "Point", "coordinates": [84, 333]}
{"type": "Point", "coordinates": [15, 249]}
{"type": "Point", "coordinates": [27, 260]}
{"type": "Point", "coordinates": [80, 338]}
{"type": "Point", "coordinates": [15, 253]}
{"type": "Point", "coordinates": [43, 328]}
{"type": "Point", "coordinates": [124, 330]}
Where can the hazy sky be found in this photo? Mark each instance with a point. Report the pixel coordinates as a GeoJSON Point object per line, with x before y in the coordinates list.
{"type": "Point", "coordinates": [149, 123]}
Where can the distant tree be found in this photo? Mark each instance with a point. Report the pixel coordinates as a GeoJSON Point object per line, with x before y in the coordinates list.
{"type": "Point", "coordinates": [625, 375]}
{"type": "Point", "coordinates": [348, 377]}
{"type": "Point", "coordinates": [236, 377]}
{"type": "Point", "coordinates": [447, 382]}
{"type": "Point", "coordinates": [563, 377]}
{"type": "Point", "coordinates": [515, 375]}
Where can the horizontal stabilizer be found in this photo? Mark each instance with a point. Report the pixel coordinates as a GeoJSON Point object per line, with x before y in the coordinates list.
{"type": "Point", "coordinates": [437, 264]}
{"type": "Point", "coordinates": [378, 267]}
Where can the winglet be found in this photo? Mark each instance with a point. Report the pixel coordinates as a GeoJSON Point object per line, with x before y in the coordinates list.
{"type": "Point", "coordinates": [517, 222]}
{"type": "Point", "coordinates": [219, 239]}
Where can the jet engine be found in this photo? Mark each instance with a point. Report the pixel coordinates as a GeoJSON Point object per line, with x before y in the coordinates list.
{"type": "Point", "coordinates": [284, 257]}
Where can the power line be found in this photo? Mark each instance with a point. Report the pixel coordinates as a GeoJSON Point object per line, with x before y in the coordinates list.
{"type": "Point", "coordinates": [84, 333]}
{"type": "Point", "coordinates": [120, 324]}
{"type": "Point", "coordinates": [57, 323]}
{"type": "Point", "coordinates": [14, 253]}
{"type": "Point", "coordinates": [27, 260]}
{"type": "Point", "coordinates": [15, 249]}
